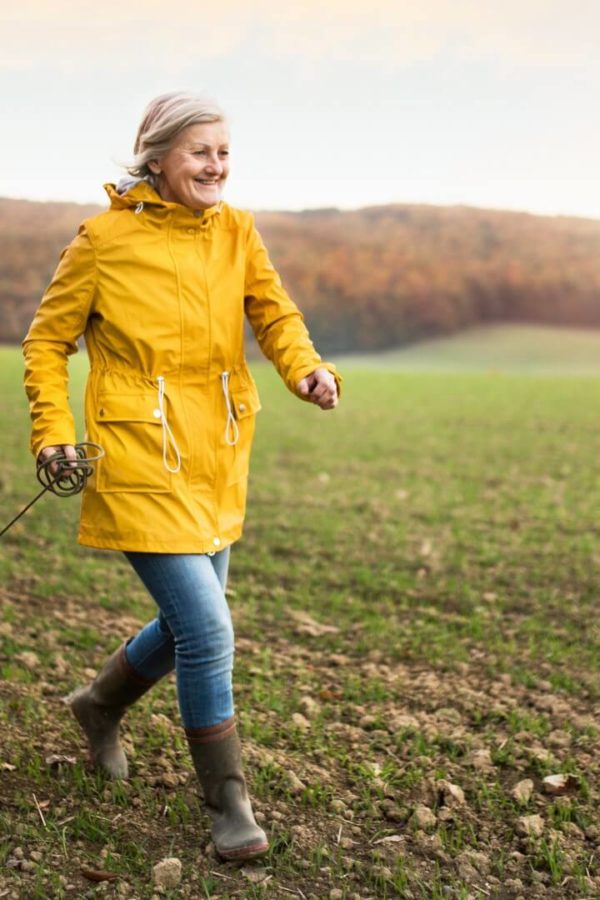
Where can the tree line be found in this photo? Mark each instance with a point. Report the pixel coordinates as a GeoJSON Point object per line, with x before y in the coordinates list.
{"type": "Point", "coordinates": [367, 279]}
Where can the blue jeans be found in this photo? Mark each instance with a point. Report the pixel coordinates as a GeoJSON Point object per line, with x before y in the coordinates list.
{"type": "Point", "coordinates": [192, 633]}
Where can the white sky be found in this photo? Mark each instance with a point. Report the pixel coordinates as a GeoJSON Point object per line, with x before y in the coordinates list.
{"type": "Point", "coordinates": [332, 103]}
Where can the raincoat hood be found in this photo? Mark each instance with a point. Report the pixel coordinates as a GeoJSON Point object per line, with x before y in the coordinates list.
{"type": "Point", "coordinates": [131, 192]}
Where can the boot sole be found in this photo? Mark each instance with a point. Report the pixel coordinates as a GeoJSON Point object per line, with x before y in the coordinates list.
{"type": "Point", "coordinates": [253, 851]}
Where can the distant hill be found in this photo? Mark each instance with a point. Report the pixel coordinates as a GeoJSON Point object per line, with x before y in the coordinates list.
{"type": "Point", "coordinates": [497, 349]}
{"type": "Point", "coordinates": [369, 279]}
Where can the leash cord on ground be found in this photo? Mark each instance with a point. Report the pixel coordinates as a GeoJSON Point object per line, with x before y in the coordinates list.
{"type": "Point", "coordinates": [71, 478]}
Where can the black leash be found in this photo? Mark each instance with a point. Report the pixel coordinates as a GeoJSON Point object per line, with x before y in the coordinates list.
{"type": "Point", "coordinates": [71, 478]}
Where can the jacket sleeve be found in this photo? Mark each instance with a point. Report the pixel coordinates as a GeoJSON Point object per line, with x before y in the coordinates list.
{"type": "Point", "coordinates": [52, 337]}
{"type": "Point", "coordinates": [276, 320]}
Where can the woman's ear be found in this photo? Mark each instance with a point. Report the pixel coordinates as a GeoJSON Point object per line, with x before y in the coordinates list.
{"type": "Point", "coordinates": [154, 166]}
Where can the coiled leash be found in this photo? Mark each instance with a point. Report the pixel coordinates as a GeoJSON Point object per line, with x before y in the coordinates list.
{"type": "Point", "coordinates": [71, 478]}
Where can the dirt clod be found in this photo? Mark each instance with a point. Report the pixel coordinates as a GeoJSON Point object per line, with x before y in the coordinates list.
{"type": "Point", "coordinates": [522, 791]}
{"type": "Point", "coordinates": [531, 826]}
{"type": "Point", "coordinates": [167, 872]}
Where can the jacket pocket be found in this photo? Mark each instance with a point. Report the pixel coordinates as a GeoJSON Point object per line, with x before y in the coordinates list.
{"type": "Point", "coordinates": [245, 403]}
{"type": "Point", "coordinates": [129, 427]}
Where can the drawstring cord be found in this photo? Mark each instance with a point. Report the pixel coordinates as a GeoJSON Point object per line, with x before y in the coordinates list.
{"type": "Point", "coordinates": [232, 431]}
{"type": "Point", "coordinates": [167, 434]}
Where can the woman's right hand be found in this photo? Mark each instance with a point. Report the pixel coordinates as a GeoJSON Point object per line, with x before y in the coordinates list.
{"type": "Point", "coordinates": [67, 449]}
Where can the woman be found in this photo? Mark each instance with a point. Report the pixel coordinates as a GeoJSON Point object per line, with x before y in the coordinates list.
{"type": "Point", "coordinates": [159, 285]}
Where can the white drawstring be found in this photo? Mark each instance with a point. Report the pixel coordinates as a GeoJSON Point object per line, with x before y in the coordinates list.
{"type": "Point", "coordinates": [139, 208]}
{"type": "Point", "coordinates": [231, 426]}
{"type": "Point", "coordinates": [167, 434]}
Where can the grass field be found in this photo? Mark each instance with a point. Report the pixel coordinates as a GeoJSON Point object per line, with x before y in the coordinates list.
{"type": "Point", "coordinates": [416, 607]}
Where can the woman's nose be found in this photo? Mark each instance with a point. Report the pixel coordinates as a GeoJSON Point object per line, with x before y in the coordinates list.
{"type": "Point", "coordinates": [215, 166]}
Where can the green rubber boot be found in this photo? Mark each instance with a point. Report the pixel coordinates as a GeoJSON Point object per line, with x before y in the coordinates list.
{"type": "Point", "coordinates": [100, 706]}
{"type": "Point", "coordinates": [217, 759]}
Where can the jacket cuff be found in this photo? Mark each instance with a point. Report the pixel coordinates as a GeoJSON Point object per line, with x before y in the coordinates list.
{"type": "Point", "coordinates": [51, 439]}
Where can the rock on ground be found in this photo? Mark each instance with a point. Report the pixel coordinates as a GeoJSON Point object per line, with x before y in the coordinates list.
{"type": "Point", "coordinates": [167, 873]}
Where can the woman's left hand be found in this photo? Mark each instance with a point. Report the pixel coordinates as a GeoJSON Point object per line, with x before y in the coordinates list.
{"type": "Point", "coordinates": [320, 388]}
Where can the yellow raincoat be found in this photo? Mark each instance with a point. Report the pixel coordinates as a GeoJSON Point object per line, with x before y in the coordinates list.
{"type": "Point", "coordinates": [160, 292]}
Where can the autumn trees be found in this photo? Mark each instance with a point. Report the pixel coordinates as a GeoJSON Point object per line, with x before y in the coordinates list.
{"type": "Point", "coordinates": [367, 279]}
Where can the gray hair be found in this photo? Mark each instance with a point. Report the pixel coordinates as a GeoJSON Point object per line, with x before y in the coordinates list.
{"type": "Point", "coordinates": [164, 118]}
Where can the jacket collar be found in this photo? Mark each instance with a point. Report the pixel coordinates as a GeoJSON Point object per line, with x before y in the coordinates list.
{"type": "Point", "coordinates": [143, 193]}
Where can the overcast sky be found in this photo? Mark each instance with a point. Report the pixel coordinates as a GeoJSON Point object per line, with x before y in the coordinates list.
{"type": "Point", "coordinates": [332, 103]}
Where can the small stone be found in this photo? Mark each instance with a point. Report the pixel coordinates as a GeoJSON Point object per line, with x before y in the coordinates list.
{"type": "Point", "coordinates": [338, 659]}
{"type": "Point", "coordinates": [300, 721]}
{"type": "Point", "coordinates": [36, 855]}
{"type": "Point", "coordinates": [18, 853]}
{"type": "Point", "coordinates": [393, 811]}
{"type": "Point", "coordinates": [167, 873]}
{"type": "Point", "coordinates": [423, 817]}
{"type": "Point", "coordinates": [294, 785]}
{"type": "Point", "coordinates": [541, 754]}
{"type": "Point", "coordinates": [559, 738]}
{"type": "Point", "coordinates": [446, 814]}
{"type": "Point", "coordinates": [559, 784]}
{"type": "Point", "coordinates": [368, 722]}
{"type": "Point", "coordinates": [530, 826]}
{"type": "Point", "coordinates": [452, 794]}
{"type": "Point", "coordinates": [29, 659]}
{"type": "Point", "coordinates": [336, 894]}
{"type": "Point", "coordinates": [479, 861]}
{"type": "Point", "coordinates": [404, 722]}
{"type": "Point", "coordinates": [382, 872]}
{"type": "Point", "coordinates": [448, 714]}
{"type": "Point", "coordinates": [481, 760]}
{"type": "Point", "coordinates": [57, 760]}
{"type": "Point", "coordinates": [61, 666]}
{"type": "Point", "coordinates": [169, 779]}
{"type": "Point", "coordinates": [465, 870]}
{"type": "Point", "coordinates": [338, 805]}
{"type": "Point", "coordinates": [522, 791]}
{"type": "Point", "coordinates": [255, 874]}
{"type": "Point", "coordinates": [309, 706]}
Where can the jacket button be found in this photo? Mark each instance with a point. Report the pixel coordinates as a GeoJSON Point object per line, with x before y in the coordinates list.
{"type": "Point", "coordinates": [156, 413]}
{"type": "Point", "coordinates": [241, 407]}
{"type": "Point", "coordinates": [216, 541]}
{"type": "Point", "coordinates": [191, 231]}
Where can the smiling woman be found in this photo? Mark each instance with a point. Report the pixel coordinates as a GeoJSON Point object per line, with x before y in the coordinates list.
{"type": "Point", "coordinates": [190, 168]}
{"type": "Point", "coordinates": [196, 167]}
{"type": "Point", "coordinates": [159, 285]}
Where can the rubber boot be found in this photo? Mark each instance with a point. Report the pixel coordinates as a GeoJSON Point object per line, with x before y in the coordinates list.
{"type": "Point", "coordinates": [100, 706]}
{"type": "Point", "coordinates": [217, 759]}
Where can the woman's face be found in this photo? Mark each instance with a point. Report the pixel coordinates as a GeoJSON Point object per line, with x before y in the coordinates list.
{"type": "Point", "coordinates": [193, 172]}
